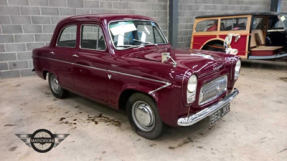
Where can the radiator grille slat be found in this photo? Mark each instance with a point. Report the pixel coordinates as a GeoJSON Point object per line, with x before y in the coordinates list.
{"type": "Point", "coordinates": [213, 89]}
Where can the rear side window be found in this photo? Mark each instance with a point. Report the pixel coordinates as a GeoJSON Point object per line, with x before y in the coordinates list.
{"type": "Point", "coordinates": [275, 23]}
{"type": "Point", "coordinates": [279, 25]}
{"type": "Point", "coordinates": [233, 24]}
{"type": "Point", "coordinates": [258, 23]}
{"type": "Point", "coordinates": [207, 25]}
{"type": "Point", "coordinates": [92, 37]}
{"type": "Point", "coordinates": [67, 37]}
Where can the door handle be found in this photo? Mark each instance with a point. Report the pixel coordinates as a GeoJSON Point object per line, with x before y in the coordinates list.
{"type": "Point", "coordinates": [52, 52]}
{"type": "Point", "coordinates": [75, 55]}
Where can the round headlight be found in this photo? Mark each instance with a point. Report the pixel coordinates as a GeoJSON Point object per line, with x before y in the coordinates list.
{"type": "Point", "coordinates": [191, 89]}
{"type": "Point", "coordinates": [237, 69]}
{"type": "Point", "coordinates": [192, 83]}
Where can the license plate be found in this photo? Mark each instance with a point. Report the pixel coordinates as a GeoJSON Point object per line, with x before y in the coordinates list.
{"type": "Point", "coordinates": [219, 114]}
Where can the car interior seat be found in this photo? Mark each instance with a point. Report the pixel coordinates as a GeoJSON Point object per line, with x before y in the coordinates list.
{"type": "Point", "coordinates": [257, 42]}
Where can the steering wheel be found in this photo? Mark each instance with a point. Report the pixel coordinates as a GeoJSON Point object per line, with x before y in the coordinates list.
{"type": "Point", "coordinates": [126, 40]}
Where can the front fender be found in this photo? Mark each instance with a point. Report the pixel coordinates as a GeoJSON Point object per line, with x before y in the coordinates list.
{"type": "Point", "coordinates": [168, 100]}
{"type": "Point", "coordinates": [139, 88]}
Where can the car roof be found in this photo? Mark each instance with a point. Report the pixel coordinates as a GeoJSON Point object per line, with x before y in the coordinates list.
{"type": "Point", "coordinates": [102, 17]}
{"type": "Point", "coordinates": [243, 13]}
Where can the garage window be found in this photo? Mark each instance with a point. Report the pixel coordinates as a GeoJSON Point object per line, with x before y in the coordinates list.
{"type": "Point", "coordinates": [68, 37]}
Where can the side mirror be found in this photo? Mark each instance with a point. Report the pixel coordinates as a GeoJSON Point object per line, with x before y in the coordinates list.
{"type": "Point", "coordinates": [165, 57]}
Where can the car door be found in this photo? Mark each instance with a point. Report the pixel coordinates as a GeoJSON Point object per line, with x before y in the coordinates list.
{"type": "Point", "coordinates": [90, 62]}
{"type": "Point", "coordinates": [276, 33]}
{"type": "Point", "coordinates": [61, 56]}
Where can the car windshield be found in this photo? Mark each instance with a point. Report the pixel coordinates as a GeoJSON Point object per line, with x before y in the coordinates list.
{"type": "Point", "coordinates": [283, 18]}
{"type": "Point", "coordinates": [131, 34]}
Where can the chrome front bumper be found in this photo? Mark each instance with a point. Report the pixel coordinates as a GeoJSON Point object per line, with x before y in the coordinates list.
{"type": "Point", "coordinates": [192, 119]}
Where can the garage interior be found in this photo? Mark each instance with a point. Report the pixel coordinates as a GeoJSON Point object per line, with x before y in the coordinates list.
{"type": "Point", "coordinates": [255, 128]}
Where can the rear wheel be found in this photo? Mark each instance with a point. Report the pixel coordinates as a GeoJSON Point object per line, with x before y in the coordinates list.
{"type": "Point", "coordinates": [56, 88]}
{"type": "Point", "coordinates": [144, 116]}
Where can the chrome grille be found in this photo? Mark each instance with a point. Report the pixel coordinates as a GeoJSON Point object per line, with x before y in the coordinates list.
{"type": "Point", "coordinates": [212, 90]}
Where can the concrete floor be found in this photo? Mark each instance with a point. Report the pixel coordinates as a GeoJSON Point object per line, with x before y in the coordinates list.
{"type": "Point", "coordinates": [255, 128]}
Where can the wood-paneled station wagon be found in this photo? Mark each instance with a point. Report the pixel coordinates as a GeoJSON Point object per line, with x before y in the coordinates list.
{"type": "Point", "coordinates": [257, 35]}
{"type": "Point", "coordinates": [125, 62]}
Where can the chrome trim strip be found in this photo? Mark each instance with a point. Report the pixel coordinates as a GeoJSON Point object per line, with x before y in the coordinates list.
{"type": "Point", "coordinates": [192, 119]}
{"type": "Point", "coordinates": [268, 57]}
{"type": "Point", "coordinates": [112, 71]}
{"type": "Point", "coordinates": [89, 67]}
{"type": "Point", "coordinates": [166, 85]}
{"type": "Point", "coordinates": [150, 79]}
{"type": "Point", "coordinates": [54, 59]}
{"type": "Point", "coordinates": [72, 63]}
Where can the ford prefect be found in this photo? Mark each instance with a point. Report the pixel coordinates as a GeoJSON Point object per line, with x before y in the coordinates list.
{"type": "Point", "coordinates": [125, 62]}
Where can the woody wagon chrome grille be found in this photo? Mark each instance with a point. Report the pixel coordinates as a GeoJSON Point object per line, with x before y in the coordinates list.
{"type": "Point", "coordinates": [212, 90]}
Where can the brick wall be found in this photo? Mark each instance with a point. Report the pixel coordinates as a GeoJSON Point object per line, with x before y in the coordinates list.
{"type": "Point", "coordinates": [188, 9]}
{"type": "Point", "coordinates": [284, 6]}
{"type": "Point", "coordinates": [29, 24]}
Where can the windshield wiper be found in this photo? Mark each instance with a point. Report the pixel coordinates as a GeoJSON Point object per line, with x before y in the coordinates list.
{"type": "Point", "coordinates": [146, 43]}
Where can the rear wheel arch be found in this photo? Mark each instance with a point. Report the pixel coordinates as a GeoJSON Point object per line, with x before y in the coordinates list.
{"type": "Point", "coordinates": [55, 87]}
{"type": "Point", "coordinates": [209, 45]}
{"type": "Point", "coordinates": [45, 73]}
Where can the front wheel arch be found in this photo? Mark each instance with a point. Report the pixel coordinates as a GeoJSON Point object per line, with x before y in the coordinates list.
{"type": "Point", "coordinates": [126, 93]}
{"type": "Point", "coordinates": [151, 129]}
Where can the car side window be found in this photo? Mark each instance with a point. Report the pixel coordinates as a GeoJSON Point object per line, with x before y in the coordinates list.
{"type": "Point", "coordinates": [233, 24]}
{"type": "Point", "coordinates": [278, 25]}
{"type": "Point", "coordinates": [275, 23]}
{"type": "Point", "coordinates": [92, 37]}
{"type": "Point", "coordinates": [258, 23]}
{"type": "Point", "coordinates": [207, 25]}
{"type": "Point", "coordinates": [68, 37]}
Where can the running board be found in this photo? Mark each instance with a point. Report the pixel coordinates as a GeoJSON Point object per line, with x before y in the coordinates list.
{"type": "Point", "coordinates": [268, 57]}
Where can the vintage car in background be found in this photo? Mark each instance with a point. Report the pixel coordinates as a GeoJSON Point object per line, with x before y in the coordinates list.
{"type": "Point", "coordinates": [260, 35]}
{"type": "Point", "coordinates": [125, 62]}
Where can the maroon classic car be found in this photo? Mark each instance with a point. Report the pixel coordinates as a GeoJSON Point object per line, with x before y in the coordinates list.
{"type": "Point", "coordinates": [126, 62]}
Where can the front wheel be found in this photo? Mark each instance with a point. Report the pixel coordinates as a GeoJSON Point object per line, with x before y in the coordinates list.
{"type": "Point", "coordinates": [56, 88]}
{"type": "Point", "coordinates": [144, 116]}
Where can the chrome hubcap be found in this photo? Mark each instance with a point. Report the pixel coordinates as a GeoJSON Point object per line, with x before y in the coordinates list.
{"type": "Point", "coordinates": [143, 116]}
{"type": "Point", "coordinates": [55, 84]}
